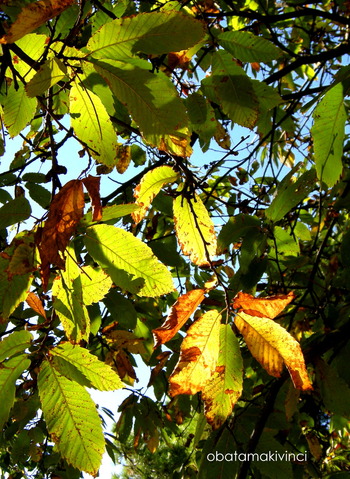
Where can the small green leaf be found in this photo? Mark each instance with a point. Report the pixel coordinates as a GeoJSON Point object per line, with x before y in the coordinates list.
{"type": "Point", "coordinates": [110, 213]}
{"type": "Point", "coordinates": [15, 343]}
{"type": "Point", "coordinates": [334, 390]}
{"type": "Point", "coordinates": [290, 193]}
{"type": "Point", "coordinates": [9, 373]}
{"type": "Point", "coordinates": [284, 242]}
{"type": "Point", "coordinates": [151, 33]}
{"type": "Point", "coordinates": [100, 375]}
{"type": "Point", "coordinates": [72, 419]}
{"type": "Point", "coordinates": [150, 185]}
{"type": "Point", "coordinates": [14, 211]}
{"type": "Point", "coordinates": [92, 125]}
{"type": "Point", "coordinates": [235, 229]}
{"type": "Point", "coordinates": [248, 47]}
{"type": "Point", "coordinates": [39, 194]}
{"type": "Point", "coordinates": [19, 109]}
{"type": "Point", "coordinates": [50, 73]}
{"type": "Point", "coordinates": [328, 132]}
{"type": "Point", "coordinates": [130, 263]}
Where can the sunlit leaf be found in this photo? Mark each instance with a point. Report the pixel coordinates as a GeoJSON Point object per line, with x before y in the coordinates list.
{"type": "Point", "coordinates": [19, 109]}
{"type": "Point", "coordinates": [72, 419]}
{"type": "Point", "coordinates": [92, 184]}
{"type": "Point", "coordinates": [178, 315]}
{"type": "Point", "coordinates": [198, 356]}
{"type": "Point", "coordinates": [149, 187]}
{"type": "Point", "coordinates": [269, 343]}
{"type": "Point", "coordinates": [248, 47]}
{"type": "Point", "coordinates": [194, 229]}
{"type": "Point", "coordinates": [32, 16]}
{"type": "Point", "coordinates": [268, 307]}
{"type": "Point", "coordinates": [35, 303]}
{"type": "Point", "coordinates": [224, 387]}
{"type": "Point", "coordinates": [16, 342]}
{"type": "Point", "coordinates": [50, 73]}
{"type": "Point", "coordinates": [328, 133]}
{"type": "Point", "coordinates": [65, 212]}
{"type": "Point", "coordinates": [111, 213]}
{"type": "Point", "coordinates": [130, 263]}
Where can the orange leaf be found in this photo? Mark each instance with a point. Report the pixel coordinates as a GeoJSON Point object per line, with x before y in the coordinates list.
{"type": "Point", "coordinates": [270, 344]}
{"type": "Point", "coordinates": [65, 212]}
{"type": "Point", "coordinates": [35, 303]}
{"type": "Point", "coordinates": [92, 184]}
{"type": "Point", "coordinates": [198, 356]}
{"type": "Point", "coordinates": [32, 16]}
{"type": "Point", "coordinates": [269, 307]}
{"type": "Point", "coordinates": [179, 314]}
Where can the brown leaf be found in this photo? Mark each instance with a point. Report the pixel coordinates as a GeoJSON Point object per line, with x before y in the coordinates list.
{"type": "Point", "coordinates": [124, 158]}
{"type": "Point", "coordinates": [32, 16]}
{"type": "Point", "coordinates": [65, 212]}
{"type": "Point", "coordinates": [198, 357]}
{"type": "Point", "coordinates": [162, 358]}
{"type": "Point", "coordinates": [92, 184]}
{"type": "Point", "coordinates": [268, 307]}
{"type": "Point", "coordinates": [179, 314]}
{"type": "Point", "coordinates": [121, 362]}
{"type": "Point", "coordinates": [35, 303]}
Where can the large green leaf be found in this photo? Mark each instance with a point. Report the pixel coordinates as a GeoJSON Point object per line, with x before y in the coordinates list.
{"type": "Point", "coordinates": [19, 109]}
{"type": "Point", "coordinates": [50, 73]}
{"type": "Point", "coordinates": [194, 229]}
{"type": "Point", "coordinates": [15, 343]}
{"type": "Point", "coordinates": [150, 98]}
{"type": "Point", "coordinates": [328, 133]}
{"type": "Point", "coordinates": [100, 375]}
{"type": "Point", "coordinates": [231, 88]}
{"type": "Point", "coordinates": [152, 33]}
{"type": "Point", "coordinates": [248, 47]}
{"type": "Point", "coordinates": [14, 211]}
{"type": "Point", "coordinates": [290, 193]}
{"type": "Point", "coordinates": [150, 185]}
{"type": "Point", "coordinates": [9, 373]}
{"type": "Point", "coordinates": [72, 419]}
{"type": "Point", "coordinates": [235, 229]}
{"type": "Point", "coordinates": [130, 263]}
{"type": "Point", "coordinates": [225, 386]}
{"type": "Point", "coordinates": [334, 390]}
{"type": "Point", "coordinates": [92, 125]}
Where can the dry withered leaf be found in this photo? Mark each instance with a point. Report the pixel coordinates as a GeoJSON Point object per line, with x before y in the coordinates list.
{"type": "Point", "coordinates": [65, 212]}
{"type": "Point", "coordinates": [92, 184]}
{"type": "Point", "coordinates": [268, 307]}
{"type": "Point", "coordinates": [179, 314]}
{"type": "Point", "coordinates": [32, 16]}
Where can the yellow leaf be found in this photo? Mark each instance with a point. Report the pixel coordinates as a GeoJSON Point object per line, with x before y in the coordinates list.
{"type": "Point", "coordinates": [179, 314]}
{"type": "Point", "coordinates": [198, 356]}
{"type": "Point", "coordinates": [269, 343]}
{"type": "Point", "coordinates": [32, 16]}
{"type": "Point", "coordinates": [268, 307]}
{"type": "Point", "coordinates": [194, 229]}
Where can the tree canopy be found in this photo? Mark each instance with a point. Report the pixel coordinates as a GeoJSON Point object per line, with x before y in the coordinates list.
{"type": "Point", "coordinates": [215, 253]}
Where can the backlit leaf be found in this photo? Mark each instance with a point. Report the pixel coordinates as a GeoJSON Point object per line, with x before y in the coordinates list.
{"type": "Point", "coordinates": [19, 109]}
{"type": "Point", "coordinates": [72, 419]}
{"type": "Point", "coordinates": [269, 343]}
{"type": "Point", "coordinates": [198, 356]}
{"type": "Point", "coordinates": [178, 315]}
{"type": "Point", "coordinates": [224, 387]}
{"type": "Point", "coordinates": [92, 184]}
{"type": "Point", "coordinates": [111, 213]}
{"type": "Point", "coordinates": [9, 373]}
{"type": "Point", "coordinates": [50, 73]}
{"type": "Point", "coordinates": [248, 47]}
{"type": "Point", "coordinates": [32, 16]}
{"type": "Point", "coordinates": [268, 307]}
{"type": "Point", "coordinates": [65, 212]}
{"type": "Point", "coordinates": [35, 303]}
{"type": "Point", "coordinates": [100, 375]}
{"type": "Point", "coordinates": [16, 342]}
{"type": "Point", "coordinates": [194, 229]}
{"type": "Point", "coordinates": [328, 133]}
{"type": "Point", "coordinates": [92, 125]}
{"type": "Point", "coordinates": [152, 33]}
{"type": "Point", "coordinates": [149, 187]}
{"type": "Point", "coordinates": [130, 263]}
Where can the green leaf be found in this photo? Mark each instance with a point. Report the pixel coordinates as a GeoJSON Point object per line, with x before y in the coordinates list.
{"type": "Point", "coordinates": [130, 263]}
{"type": "Point", "coordinates": [92, 125]}
{"type": "Point", "coordinates": [151, 99]}
{"type": "Point", "coordinates": [15, 343]}
{"type": "Point", "coordinates": [150, 185]}
{"type": "Point", "coordinates": [19, 109]}
{"type": "Point", "coordinates": [50, 73]}
{"type": "Point", "coordinates": [290, 193]}
{"type": "Point", "coordinates": [151, 33]}
{"type": "Point", "coordinates": [39, 194]}
{"type": "Point", "coordinates": [111, 213]}
{"type": "Point", "coordinates": [235, 229]}
{"type": "Point", "coordinates": [334, 390]}
{"type": "Point", "coordinates": [121, 309]}
{"type": "Point", "coordinates": [202, 117]}
{"type": "Point", "coordinates": [95, 284]}
{"type": "Point", "coordinates": [72, 419]}
{"type": "Point", "coordinates": [194, 229]}
{"type": "Point", "coordinates": [231, 88]}
{"type": "Point", "coordinates": [9, 373]}
{"type": "Point", "coordinates": [328, 132]}
{"type": "Point", "coordinates": [285, 242]}
{"type": "Point", "coordinates": [14, 211]}
{"type": "Point", "coordinates": [267, 444]}
{"type": "Point", "coordinates": [100, 375]}
{"type": "Point", "coordinates": [224, 388]}
{"type": "Point", "coordinates": [218, 456]}
{"type": "Point", "coordinates": [248, 47]}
